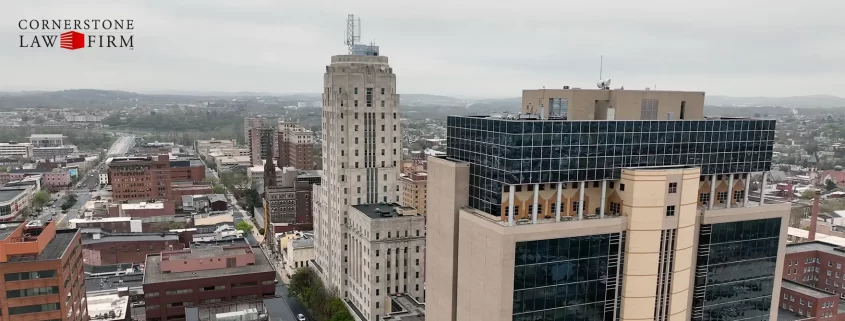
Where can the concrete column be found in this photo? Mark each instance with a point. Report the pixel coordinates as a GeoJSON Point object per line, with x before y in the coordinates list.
{"type": "Point", "coordinates": [730, 189]}
{"type": "Point", "coordinates": [762, 190]}
{"type": "Point", "coordinates": [536, 199]}
{"type": "Point", "coordinates": [747, 189]}
{"type": "Point", "coordinates": [712, 191]}
{"type": "Point", "coordinates": [510, 204]}
{"type": "Point", "coordinates": [581, 200]}
{"type": "Point", "coordinates": [603, 197]}
{"type": "Point", "coordinates": [557, 204]}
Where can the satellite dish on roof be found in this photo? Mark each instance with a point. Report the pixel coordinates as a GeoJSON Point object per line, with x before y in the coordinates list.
{"type": "Point", "coordinates": [603, 84]}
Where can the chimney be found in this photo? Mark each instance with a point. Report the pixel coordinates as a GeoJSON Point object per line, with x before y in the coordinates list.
{"type": "Point", "coordinates": [814, 217]}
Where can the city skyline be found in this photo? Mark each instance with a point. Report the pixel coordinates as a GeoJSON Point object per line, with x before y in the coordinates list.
{"type": "Point", "coordinates": [466, 50]}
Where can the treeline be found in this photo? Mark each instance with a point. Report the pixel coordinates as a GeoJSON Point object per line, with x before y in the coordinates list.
{"type": "Point", "coordinates": [323, 305]}
{"type": "Point", "coordinates": [183, 127]}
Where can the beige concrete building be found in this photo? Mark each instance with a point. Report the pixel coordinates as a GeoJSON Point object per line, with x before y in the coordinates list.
{"type": "Point", "coordinates": [202, 147]}
{"type": "Point", "coordinates": [361, 150]}
{"type": "Point", "coordinates": [413, 187]}
{"type": "Point", "coordinates": [596, 104]}
{"type": "Point", "coordinates": [387, 257]}
{"type": "Point", "coordinates": [298, 252]}
{"type": "Point", "coordinates": [567, 217]}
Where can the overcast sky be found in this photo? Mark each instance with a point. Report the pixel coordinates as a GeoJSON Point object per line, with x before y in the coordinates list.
{"type": "Point", "coordinates": [451, 47]}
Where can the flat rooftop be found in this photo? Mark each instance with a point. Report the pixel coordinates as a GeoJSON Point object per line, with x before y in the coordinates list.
{"type": "Point", "coordinates": [7, 228]}
{"type": "Point", "coordinates": [112, 306]}
{"type": "Point", "coordinates": [376, 211]}
{"type": "Point", "coordinates": [54, 249]}
{"type": "Point", "coordinates": [132, 237]}
{"type": "Point", "coordinates": [805, 290]}
{"type": "Point", "coordinates": [10, 194]}
{"type": "Point", "coordinates": [153, 274]}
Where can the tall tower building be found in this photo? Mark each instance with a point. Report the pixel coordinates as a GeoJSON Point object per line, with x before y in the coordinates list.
{"type": "Point", "coordinates": [361, 151]}
{"type": "Point", "coordinates": [604, 205]}
{"type": "Point", "coordinates": [260, 138]}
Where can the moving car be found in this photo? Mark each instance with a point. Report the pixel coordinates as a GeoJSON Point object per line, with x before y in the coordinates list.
{"type": "Point", "coordinates": [300, 317]}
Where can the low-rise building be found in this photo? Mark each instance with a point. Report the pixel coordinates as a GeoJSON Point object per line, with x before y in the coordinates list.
{"type": "Point", "coordinates": [203, 276]}
{"type": "Point", "coordinates": [13, 200]}
{"type": "Point", "coordinates": [16, 150]}
{"type": "Point", "coordinates": [201, 147]}
{"type": "Point", "coordinates": [205, 203]}
{"type": "Point", "coordinates": [109, 306]}
{"type": "Point", "coordinates": [298, 251]}
{"type": "Point", "coordinates": [100, 248]}
{"type": "Point", "coordinates": [123, 224]}
{"type": "Point", "coordinates": [104, 179]}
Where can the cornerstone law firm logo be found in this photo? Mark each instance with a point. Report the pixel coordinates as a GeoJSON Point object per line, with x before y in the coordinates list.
{"type": "Point", "coordinates": [73, 34]}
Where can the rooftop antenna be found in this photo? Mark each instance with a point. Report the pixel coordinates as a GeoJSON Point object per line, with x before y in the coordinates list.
{"type": "Point", "coordinates": [353, 31]}
{"type": "Point", "coordinates": [601, 66]}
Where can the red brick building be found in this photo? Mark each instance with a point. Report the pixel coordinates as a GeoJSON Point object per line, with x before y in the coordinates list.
{"type": "Point", "coordinates": [152, 177]}
{"type": "Point", "coordinates": [296, 146]}
{"type": "Point", "coordinates": [140, 178]}
{"type": "Point", "coordinates": [43, 274]}
{"type": "Point", "coordinates": [813, 280]}
{"type": "Point", "coordinates": [107, 249]}
{"type": "Point", "coordinates": [203, 276]}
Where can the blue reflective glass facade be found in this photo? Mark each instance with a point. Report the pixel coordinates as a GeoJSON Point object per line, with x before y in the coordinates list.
{"type": "Point", "coordinates": [569, 279]}
{"type": "Point", "coordinates": [506, 151]}
{"type": "Point", "coordinates": [735, 270]}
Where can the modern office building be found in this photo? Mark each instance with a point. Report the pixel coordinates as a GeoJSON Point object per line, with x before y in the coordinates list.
{"type": "Point", "coordinates": [48, 140]}
{"type": "Point", "coordinates": [577, 213]}
{"type": "Point", "coordinates": [16, 150]}
{"type": "Point", "coordinates": [43, 278]}
{"type": "Point", "coordinates": [361, 151]}
{"type": "Point", "coordinates": [296, 146]}
{"type": "Point", "coordinates": [386, 257]}
{"type": "Point", "coordinates": [205, 275]}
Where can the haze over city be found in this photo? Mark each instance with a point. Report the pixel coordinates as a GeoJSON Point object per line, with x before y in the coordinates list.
{"type": "Point", "coordinates": [458, 48]}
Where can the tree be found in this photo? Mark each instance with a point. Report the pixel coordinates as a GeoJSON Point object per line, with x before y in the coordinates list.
{"type": "Point", "coordinates": [244, 226]}
{"type": "Point", "coordinates": [829, 185]}
{"type": "Point", "coordinates": [219, 189]}
{"type": "Point", "coordinates": [808, 194]}
{"type": "Point", "coordinates": [40, 199]}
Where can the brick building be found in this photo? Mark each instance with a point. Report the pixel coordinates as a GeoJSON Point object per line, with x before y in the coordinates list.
{"type": "Point", "coordinates": [153, 177]}
{"type": "Point", "coordinates": [140, 178]}
{"type": "Point", "coordinates": [413, 186]}
{"type": "Point", "coordinates": [208, 274]}
{"type": "Point", "coordinates": [800, 302]}
{"type": "Point", "coordinates": [43, 274]}
{"type": "Point", "coordinates": [142, 209]}
{"type": "Point", "coordinates": [296, 146]}
{"type": "Point", "coordinates": [114, 248]}
{"type": "Point", "coordinates": [108, 224]}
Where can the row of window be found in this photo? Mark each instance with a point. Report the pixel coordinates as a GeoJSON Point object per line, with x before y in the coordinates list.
{"type": "Point", "coordinates": [30, 275]}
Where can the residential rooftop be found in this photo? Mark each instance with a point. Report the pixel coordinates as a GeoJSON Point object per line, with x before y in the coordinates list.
{"type": "Point", "coordinates": [385, 210]}
{"type": "Point", "coordinates": [153, 274]}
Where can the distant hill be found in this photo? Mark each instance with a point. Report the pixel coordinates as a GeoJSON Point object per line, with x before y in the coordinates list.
{"type": "Point", "coordinates": [809, 101]}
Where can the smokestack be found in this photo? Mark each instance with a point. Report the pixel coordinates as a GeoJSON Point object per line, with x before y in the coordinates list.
{"type": "Point", "coordinates": [814, 216]}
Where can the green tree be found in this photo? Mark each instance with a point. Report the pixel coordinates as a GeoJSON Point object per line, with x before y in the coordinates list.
{"type": "Point", "coordinates": [219, 189]}
{"type": "Point", "coordinates": [829, 185]}
{"type": "Point", "coordinates": [808, 194]}
{"type": "Point", "coordinates": [40, 199]}
{"type": "Point", "coordinates": [244, 226]}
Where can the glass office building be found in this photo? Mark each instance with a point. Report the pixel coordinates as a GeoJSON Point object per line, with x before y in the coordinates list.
{"type": "Point", "coordinates": [530, 151]}
{"type": "Point", "coordinates": [735, 270]}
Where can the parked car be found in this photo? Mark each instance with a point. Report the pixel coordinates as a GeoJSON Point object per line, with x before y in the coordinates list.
{"type": "Point", "coordinates": [300, 317]}
{"type": "Point", "coordinates": [138, 304]}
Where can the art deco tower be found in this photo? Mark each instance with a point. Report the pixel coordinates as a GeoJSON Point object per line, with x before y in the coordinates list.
{"type": "Point", "coordinates": [361, 147]}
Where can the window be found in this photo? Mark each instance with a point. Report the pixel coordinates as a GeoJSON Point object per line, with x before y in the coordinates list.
{"type": "Point", "coordinates": [648, 109]}
{"type": "Point", "coordinates": [32, 292]}
{"type": "Point", "coordinates": [575, 206]}
{"type": "Point", "coordinates": [356, 90]}
{"type": "Point", "coordinates": [673, 188]}
{"type": "Point", "coordinates": [30, 275]}
{"type": "Point", "coordinates": [683, 109]}
{"type": "Point", "coordinates": [377, 252]}
{"type": "Point", "coordinates": [382, 91]}
{"type": "Point", "coordinates": [722, 197]}
{"type": "Point", "coordinates": [33, 308]}
{"type": "Point", "coordinates": [704, 198]}
{"type": "Point", "coordinates": [382, 103]}
{"type": "Point", "coordinates": [622, 187]}
{"type": "Point", "coordinates": [670, 210]}
{"type": "Point", "coordinates": [369, 97]}
{"type": "Point", "coordinates": [356, 103]}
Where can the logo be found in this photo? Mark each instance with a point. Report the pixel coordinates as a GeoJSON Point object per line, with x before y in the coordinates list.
{"type": "Point", "coordinates": [72, 40]}
{"type": "Point", "coordinates": [68, 33]}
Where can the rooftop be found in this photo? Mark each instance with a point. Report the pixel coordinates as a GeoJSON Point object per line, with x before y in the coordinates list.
{"type": "Point", "coordinates": [106, 307]}
{"type": "Point", "coordinates": [131, 237]}
{"type": "Point", "coordinates": [805, 290]}
{"type": "Point", "coordinates": [385, 210]}
{"type": "Point", "coordinates": [152, 273]}
{"type": "Point", "coordinates": [405, 308]}
{"type": "Point", "coordinates": [54, 249]}
{"type": "Point", "coordinates": [822, 241]}
{"type": "Point", "coordinates": [10, 194]}
{"type": "Point", "coordinates": [142, 205]}
{"type": "Point", "coordinates": [7, 228]}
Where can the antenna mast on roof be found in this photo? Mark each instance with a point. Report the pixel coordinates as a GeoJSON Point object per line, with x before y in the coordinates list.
{"type": "Point", "coordinates": [601, 66]}
{"type": "Point", "coordinates": [353, 31]}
